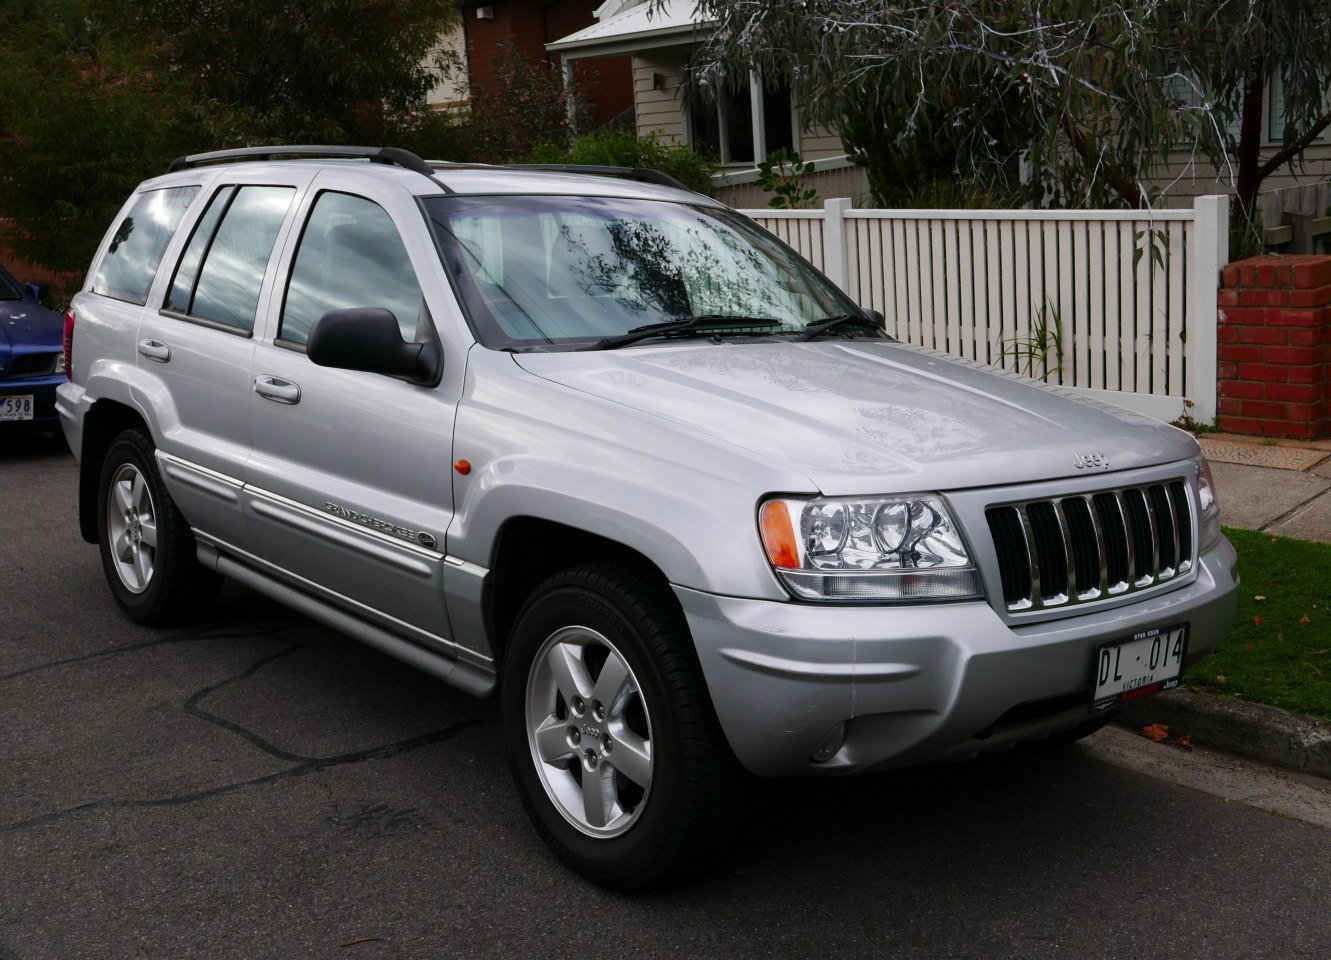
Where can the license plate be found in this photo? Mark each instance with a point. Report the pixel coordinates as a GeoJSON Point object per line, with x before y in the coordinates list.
{"type": "Point", "coordinates": [16, 408]}
{"type": "Point", "coordinates": [1145, 663]}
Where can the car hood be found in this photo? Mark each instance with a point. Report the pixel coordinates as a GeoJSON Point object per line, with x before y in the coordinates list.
{"type": "Point", "coordinates": [862, 417]}
{"type": "Point", "coordinates": [24, 324]}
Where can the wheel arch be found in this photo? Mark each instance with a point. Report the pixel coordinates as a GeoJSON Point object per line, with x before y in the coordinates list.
{"type": "Point", "coordinates": [529, 550]}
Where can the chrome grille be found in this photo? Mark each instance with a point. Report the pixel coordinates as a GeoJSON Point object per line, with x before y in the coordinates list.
{"type": "Point", "coordinates": [1076, 549]}
{"type": "Point", "coordinates": [31, 365]}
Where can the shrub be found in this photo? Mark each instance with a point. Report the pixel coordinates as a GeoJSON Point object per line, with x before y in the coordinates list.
{"type": "Point", "coordinates": [622, 147]}
{"type": "Point", "coordinates": [529, 105]}
{"type": "Point", "coordinates": [780, 175]}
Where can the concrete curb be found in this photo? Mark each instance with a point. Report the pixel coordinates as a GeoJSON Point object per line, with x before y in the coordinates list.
{"type": "Point", "coordinates": [1254, 730]}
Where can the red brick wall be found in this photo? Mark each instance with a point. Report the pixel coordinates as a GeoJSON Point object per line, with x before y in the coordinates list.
{"type": "Point", "coordinates": [1273, 347]}
{"type": "Point", "coordinates": [606, 82]}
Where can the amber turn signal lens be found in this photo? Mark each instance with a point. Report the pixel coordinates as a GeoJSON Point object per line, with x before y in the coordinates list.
{"type": "Point", "coordinates": [463, 467]}
{"type": "Point", "coordinates": [779, 536]}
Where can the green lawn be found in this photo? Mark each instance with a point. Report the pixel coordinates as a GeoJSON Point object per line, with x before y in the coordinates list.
{"type": "Point", "coordinates": [1279, 651]}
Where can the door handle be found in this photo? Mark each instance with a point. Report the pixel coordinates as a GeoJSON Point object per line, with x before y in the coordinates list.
{"type": "Point", "coordinates": [154, 350]}
{"type": "Point", "coordinates": [277, 389]}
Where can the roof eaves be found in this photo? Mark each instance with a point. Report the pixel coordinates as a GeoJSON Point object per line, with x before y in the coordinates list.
{"type": "Point", "coordinates": [626, 43]}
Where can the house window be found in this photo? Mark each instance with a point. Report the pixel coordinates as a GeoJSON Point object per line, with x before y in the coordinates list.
{"type": "Point", "coordinates": [1275, 115]}
{"type": "Point", "coordinates": [744, 124]}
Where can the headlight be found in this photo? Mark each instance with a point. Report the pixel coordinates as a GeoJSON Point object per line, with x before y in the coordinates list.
{"type": "Point", "coordinates": [59, 363]}
{"type": "Point", "coordinates": [904, 548]}
{"type": "Point", "coordinates": [1207, 506]}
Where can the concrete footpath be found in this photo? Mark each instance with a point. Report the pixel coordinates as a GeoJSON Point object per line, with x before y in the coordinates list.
{"type": "Point", "coordinates": [1283, 489]}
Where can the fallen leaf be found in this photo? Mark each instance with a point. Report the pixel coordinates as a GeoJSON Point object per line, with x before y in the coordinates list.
{"type": "Point", "coordinates": [1320, 675]}
{"type": "Point", "coordinates": [1257, 619]}
{"type": "Point", "coordinates": [1304, 619]}
{"type": "Point", "coordinates": [1247, 646]}
{"type": "Point", "coordinates": [1184, 741]}
{"type": "Point", "coordinates": [352, 943]}
{"type": "Point", "coordinates": [1155, 731]}
{"type": "Point", "coordinates": [1259, 598]}
{"type": "Point", "coordinates": [1237, 693]}
{"type": "Point", "coordinates": [1221, 679]}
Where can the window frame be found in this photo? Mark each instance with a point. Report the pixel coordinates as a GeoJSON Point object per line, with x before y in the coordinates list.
{"type": "Point", "coordinates": [757, 119]}
{"type": "Point", "coordinates": [105, 249]}
{"type": "Point", "coordinates": [313, 205]}
{"type": "Point", "coordinates": [235, 187]}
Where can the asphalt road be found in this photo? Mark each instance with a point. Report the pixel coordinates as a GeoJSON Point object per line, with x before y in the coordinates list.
{"type": "Point", "coordinates": [261, 787]}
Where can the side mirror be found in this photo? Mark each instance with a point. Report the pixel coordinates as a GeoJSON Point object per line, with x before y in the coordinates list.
{"type": "Point", "coordinates": [367, 338]}
{"type": "Point", "coordinates": [877, 318]}
{"type": "Point", "coordinates": [36, 291]}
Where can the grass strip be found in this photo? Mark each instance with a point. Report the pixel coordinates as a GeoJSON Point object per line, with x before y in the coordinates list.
{"type": "Point", "coordinates": [1279, 651]}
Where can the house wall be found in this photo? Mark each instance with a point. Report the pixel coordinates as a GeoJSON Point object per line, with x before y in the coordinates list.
{"type": "Point", "coordinates": [454, 89]}
{"type": "Point", "coordinates": [1184, 178]}
{"type": "Point", "coordinates": [819, 143]}
{"type": "Point", "coordinates": [849, 182]}
{"type": "Point", "coordinates": [606, 82]}
{"type": "Point", "coordinates": [661, 109]}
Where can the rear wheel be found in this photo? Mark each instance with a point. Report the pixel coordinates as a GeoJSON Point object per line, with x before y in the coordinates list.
{"type": "Point", "coordinates": [613, 741]}
{"type": "Point", "coordinates": [148, 552]}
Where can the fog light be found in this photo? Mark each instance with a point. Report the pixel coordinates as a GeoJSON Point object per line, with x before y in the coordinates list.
{"type": "Point", "coordinates": [832, 742]}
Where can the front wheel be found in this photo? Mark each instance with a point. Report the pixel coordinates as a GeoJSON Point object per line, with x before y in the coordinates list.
{"type": "Point", "coordinates": [613, 741]}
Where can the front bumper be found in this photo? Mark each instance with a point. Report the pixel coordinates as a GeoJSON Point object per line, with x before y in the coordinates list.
{"type": "Point", "coordinates": [919, 683]}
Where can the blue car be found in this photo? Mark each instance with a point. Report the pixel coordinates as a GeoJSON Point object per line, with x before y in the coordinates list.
{"type": "Point", "coordinates": [32, 359]}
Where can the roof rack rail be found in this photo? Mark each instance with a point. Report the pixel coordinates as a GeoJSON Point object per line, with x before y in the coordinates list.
{"type": "Point", "coordinates": [641, 174]}
{"type": "Point", "coordinates": [391, 155]}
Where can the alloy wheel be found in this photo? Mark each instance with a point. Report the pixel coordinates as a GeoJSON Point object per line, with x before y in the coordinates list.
{"type": "Point", "coordinates": [131, 526]}
{"type": "Point", "coordinates": [589, 731]}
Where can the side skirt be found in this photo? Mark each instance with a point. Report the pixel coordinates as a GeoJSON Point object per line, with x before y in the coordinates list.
{"type": "Point", "coordinates": [468, 677]}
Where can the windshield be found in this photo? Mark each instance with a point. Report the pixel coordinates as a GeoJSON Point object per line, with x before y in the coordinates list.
{"type": "Point", "coordinates": [8, 288]}
{"type": "Point", "coordinates": [564, 271]}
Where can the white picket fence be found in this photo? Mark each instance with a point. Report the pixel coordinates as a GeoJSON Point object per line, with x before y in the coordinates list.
{"type": "Point", "coordinates": [1118, 305]}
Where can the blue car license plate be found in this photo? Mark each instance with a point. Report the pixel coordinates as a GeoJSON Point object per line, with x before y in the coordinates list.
{"type": "Point", "coordinates": [16, 408]}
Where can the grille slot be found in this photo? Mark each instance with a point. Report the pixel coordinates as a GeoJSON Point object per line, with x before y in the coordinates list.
{"type": "Point", "coordinates": [32, 365]}
{"type": "Point", "coordinates": [1067, 550]}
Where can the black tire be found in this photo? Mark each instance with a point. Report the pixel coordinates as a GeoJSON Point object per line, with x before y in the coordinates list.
{"type": "Point", "coordinates": [682, 820]}
{"type": "Point", "coordinates": [177, 589]}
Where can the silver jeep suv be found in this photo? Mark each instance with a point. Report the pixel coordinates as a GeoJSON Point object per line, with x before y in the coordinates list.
{"type": "Point", "coordinates": [597, 444]}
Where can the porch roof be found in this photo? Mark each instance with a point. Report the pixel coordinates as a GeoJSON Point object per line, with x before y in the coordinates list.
{"type": "Point", "coordinates": [641, 27]}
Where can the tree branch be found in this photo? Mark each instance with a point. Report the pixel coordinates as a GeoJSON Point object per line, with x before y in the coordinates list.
{"type": "Point", "coordinates": [1124, 187]}
{"type": "Point", "coordinates": [1283, 157]}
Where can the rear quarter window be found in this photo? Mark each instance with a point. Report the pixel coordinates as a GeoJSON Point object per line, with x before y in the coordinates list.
{"type": "Point", "coordinates": [127, 268]}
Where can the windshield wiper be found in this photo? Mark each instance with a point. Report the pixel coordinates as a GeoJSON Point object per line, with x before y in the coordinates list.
{"type": "Point", "coordinates": [704, 323]}
{"type": "Point", "coordinates": [821, 327]}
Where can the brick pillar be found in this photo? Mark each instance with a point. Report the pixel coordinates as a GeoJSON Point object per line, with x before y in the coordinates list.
{"type": "Point", "coordinates": [1273, 347]}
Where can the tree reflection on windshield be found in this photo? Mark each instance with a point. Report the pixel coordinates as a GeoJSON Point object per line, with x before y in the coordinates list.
{"type": "Point", "coordinates": [563, 269]}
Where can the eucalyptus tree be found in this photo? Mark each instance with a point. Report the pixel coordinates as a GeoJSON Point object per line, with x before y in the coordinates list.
{"type": "Point", "coordinates": [1097, 97]}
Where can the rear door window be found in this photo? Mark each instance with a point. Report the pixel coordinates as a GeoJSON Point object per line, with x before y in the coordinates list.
{"type": "Point", "coordinates": [221, 271]}
{"type": "Point", "coordinates": [127, 269]}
